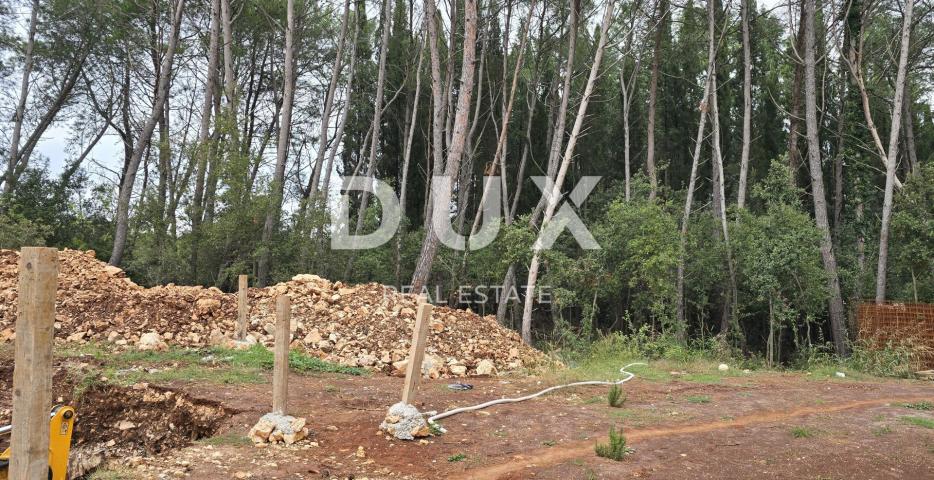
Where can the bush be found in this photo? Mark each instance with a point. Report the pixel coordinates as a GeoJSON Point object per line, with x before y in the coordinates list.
{"type": "Point", "coordinates": [893, 359]}
{"type": "Point", "coordinates": [616, 449]}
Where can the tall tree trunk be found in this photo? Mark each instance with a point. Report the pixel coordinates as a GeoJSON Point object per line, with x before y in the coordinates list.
{"type": "Point", "coordinates": [837, 316]}
{"type": "Point", "coordinates": [747, 107]}
{"type": "Point", "coordinates": [627, 89]}
{"type": "Point", "coordinates": [376, 127]}
{"type": "Point", "coordinates": [328, 106]}
{"type": "Point", "coordinates": [794, 120]}
{"type": "Point", "coordinates": [660, 30]}
{"type": "Point", "coordinates": [689, 201]}
{"type": "Point", "coordinates": [274, 211]}
{"type": "Point", "coordinates": [339, 134]}
{"type": "Point", "coordinates": [437, 105]}
{"type": "Point", "coordinates": [897, 111]}
{"type": "Point", "coordinates": [552, 201]}
{"type": "Point", "coordinates": [458, 139]}
{"type": "Point", "coordinates": [204, 131]}
{"type": "Point", "coordinates": [406, 156]}
{"type": "Point", "coordinates": [719, 194]}
{"type": "Point", "coordinates": [911, 151]}
{"type": "Point", "coordinates": [557, 139]}
{"type": "Point", "coordinates": [507, 113]}
{"type": "Point", "coordinates": [142, 143]}
{"type": "Point", "coordinates": [230, 81]}
{"type": "Point", "coordinates": [21, 104]}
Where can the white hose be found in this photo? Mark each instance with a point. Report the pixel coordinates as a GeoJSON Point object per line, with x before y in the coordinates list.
{"type": "Point", "coordinates": [481, 406]}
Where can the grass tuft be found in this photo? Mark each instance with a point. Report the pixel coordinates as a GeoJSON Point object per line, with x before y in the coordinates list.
{"type": "Point", "coordinates": [919, 422]}
{"type": "Point", "coordinates": [698, 399]}
{"type": "Point", "coordinates": [457, 457]}
{"type": "Point", "coordinates": [802, 432]}
{"type": "Point", "coordinates": [922, 405]}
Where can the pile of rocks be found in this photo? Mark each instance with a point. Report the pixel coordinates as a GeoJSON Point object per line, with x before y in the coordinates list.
{"type": "Point", "coordinates": [405, 422]}
{"type": "Point", "coordinates": [277, 428]}
{"type": "Point", "coordinates": [364, 325]}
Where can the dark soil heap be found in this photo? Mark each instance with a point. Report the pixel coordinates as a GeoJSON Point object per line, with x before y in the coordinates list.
{"type": "Point", "coordinates": [364, 325]}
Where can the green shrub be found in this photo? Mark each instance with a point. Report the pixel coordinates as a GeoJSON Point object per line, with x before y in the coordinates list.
{"type": "Point", "coordinates": [616, 449]}
{"type": "Point", "coordinates": [616, 396]}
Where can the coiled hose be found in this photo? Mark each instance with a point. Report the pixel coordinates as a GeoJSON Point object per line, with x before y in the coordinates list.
{"type": "Point", "coordinates": [629, 376]}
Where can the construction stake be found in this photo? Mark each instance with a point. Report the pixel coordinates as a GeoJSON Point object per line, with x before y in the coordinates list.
{"type": "Point", "coordinates": [32, 370]}
{"type": "Point", "coordinates": [413, 372]}
{"type": "Point", "coordinates": [280, 371]}
{"type": "Point", "coordinates": [242, 307]}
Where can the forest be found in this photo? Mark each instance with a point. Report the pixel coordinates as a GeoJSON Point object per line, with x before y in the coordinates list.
{"type": "Point", "coordinates": [764, 168]}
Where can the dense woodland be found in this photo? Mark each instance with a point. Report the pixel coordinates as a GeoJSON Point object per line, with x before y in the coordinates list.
{"type": "Point", "coordinates": [765, 168]}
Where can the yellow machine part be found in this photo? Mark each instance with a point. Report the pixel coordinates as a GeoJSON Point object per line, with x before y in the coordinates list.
{"type": "Point", "coordinates": [61, 426]}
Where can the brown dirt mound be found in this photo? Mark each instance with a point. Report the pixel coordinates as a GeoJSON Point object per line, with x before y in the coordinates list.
{"type": "Point", "coordinates": [364, 325]}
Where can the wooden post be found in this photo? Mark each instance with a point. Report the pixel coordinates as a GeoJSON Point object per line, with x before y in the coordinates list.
{"type": "Point", "coordinates": [280, 372]}
{"type": "Point", "coordinates": [242, 308]}
{"type": "Point", "coordinates": [413, 372]}
{"type": "Point", "coordinates": [32, 367]}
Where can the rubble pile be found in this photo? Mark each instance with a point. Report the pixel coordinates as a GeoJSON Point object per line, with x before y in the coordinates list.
{"type": "Point", "coordinates": [276, 428]}
{"type": "Point", "coordinates": [405, 422]}
{"type": "Point", "coordinates": [364, 325]}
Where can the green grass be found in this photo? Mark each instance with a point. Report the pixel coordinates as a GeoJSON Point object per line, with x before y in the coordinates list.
{"type": "Point", "coordinates": [457, 457]}
{"type": "Point", "coordinates": [112, 473]}
{"type": "Point", "coordinates": [699, 399]}
{"type": "Point", "coordinates": [216, 365]}
{"type": "Point", "coordinates": [260, 357]}
{"type": "Point", "coordinates": [638, 417]}
{"type": "Point", "coordinates": [922, 405]}
{"type": "Point", "coordinates": [230, 438]}
{"type": "Point", "coordinates": [919, 422]}
{"type": "Point", "coordinates": [802, 432]}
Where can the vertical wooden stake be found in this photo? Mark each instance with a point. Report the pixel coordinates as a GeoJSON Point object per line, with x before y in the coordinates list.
{"type": "Point", "coordinates": [242, 308]}
{"type": "Point", "coordinates": [280, 371]}
{"type": "Point", "coordinates": [32, 370]}
{"type": "Point", "coordinates": [413, 372]}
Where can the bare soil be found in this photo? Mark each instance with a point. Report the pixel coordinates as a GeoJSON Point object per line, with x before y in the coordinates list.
{"type": "Point", "coordinates": [738, 427]}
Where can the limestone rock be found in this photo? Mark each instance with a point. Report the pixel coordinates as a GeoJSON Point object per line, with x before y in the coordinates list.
{"type": "Point", "coordinates": [151, 341]}
{"type": "Point", "coordinates": [405, 422]}
{"type": "Point", "coordinates": [486, 367]}
{"type": "Point", "coordinates": [276, 428]}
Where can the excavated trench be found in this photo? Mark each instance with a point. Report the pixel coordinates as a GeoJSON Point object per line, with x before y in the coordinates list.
{"type": "Point", "coordinates": [118, 422]}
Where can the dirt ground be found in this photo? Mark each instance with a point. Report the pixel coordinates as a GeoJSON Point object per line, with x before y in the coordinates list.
{"type": "Point", "coordinates": [770, 425]}
{"type": "Point", "coordinates": [738, 427]}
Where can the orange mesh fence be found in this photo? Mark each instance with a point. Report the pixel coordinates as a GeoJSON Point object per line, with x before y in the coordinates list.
{"type": "Point", "coordinates": [899, 324]}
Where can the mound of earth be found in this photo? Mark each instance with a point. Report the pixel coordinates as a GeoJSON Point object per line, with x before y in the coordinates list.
{"type": "Point", "coordinates": [364, 325]}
